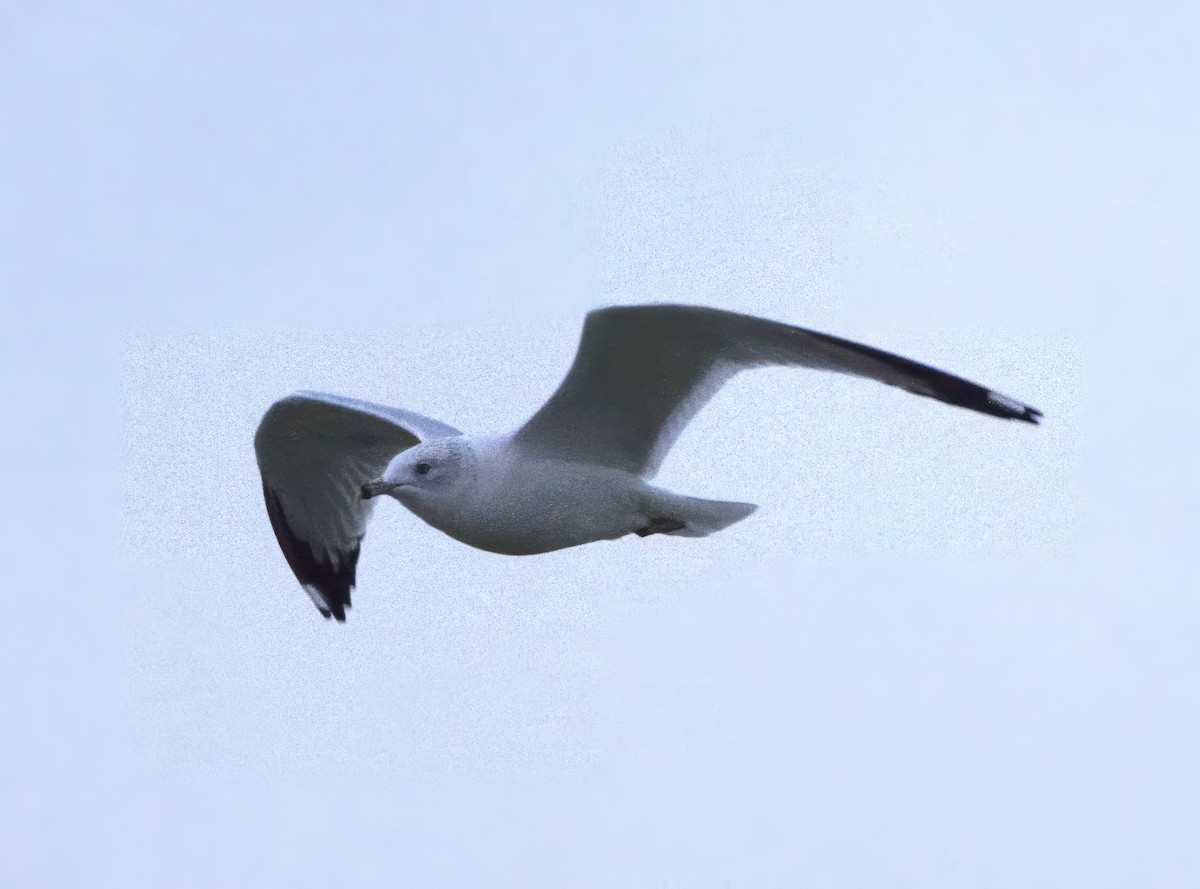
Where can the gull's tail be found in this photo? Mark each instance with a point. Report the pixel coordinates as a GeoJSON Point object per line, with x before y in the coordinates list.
{"type": "Point", "coordinates": [699, 517]}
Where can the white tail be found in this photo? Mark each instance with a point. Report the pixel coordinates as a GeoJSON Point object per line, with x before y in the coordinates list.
{"type": "Point", "coordinates": [700, 517]}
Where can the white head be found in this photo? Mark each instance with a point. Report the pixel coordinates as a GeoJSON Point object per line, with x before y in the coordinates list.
{"type": "Point", "coordinates": [430, 472]}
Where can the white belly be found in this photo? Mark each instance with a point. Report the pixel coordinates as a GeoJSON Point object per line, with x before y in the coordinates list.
{"type": "Point", "coordinates": [544, 506]}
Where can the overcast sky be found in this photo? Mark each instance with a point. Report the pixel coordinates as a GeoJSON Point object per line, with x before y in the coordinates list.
{"type": "Point", "coordinates": [947, 650]}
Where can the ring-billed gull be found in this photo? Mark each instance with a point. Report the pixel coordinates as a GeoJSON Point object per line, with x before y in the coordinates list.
{"type": "Point", "coordinates": [576, 472]}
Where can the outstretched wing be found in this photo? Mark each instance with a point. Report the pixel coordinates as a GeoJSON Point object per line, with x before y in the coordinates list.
{"type": "Point", "coordinates": [642, 372]}
{"type": "Point", "coordinates": [314, 452]}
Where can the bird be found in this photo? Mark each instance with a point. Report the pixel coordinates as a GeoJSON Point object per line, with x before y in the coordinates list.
{"type": "Point", "coordinates": [577, 471]}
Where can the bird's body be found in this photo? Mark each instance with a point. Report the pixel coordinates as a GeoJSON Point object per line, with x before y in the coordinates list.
{"type": "Point", "coordinates": [516, 504]}
{"type": "Point", "coordinates": [576, 472]}
{"type": "Point", "coordinates": [523, 507]}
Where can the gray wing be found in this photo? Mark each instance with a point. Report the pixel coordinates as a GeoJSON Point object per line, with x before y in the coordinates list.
{"type": "Point", "coordinates": [642, 372]}
{"type": "Point", "coordinates": [314, 452]}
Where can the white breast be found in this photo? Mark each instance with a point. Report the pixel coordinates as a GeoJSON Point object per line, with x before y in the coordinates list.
{"type": "Point", "coordinates": [522, 506]}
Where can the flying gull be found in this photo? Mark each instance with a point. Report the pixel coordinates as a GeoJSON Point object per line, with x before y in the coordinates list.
{"type": "Point", "coordinates": [576, 472]}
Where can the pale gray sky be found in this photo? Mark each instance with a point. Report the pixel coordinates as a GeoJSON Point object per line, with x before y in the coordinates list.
{"type": "Point", "coordinates": [947, 651]}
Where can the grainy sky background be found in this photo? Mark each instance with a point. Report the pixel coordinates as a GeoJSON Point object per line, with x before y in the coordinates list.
{"type": "Point", "coordinates": [947, 651]}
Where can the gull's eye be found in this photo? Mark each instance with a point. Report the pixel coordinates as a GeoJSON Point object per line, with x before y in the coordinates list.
{"type": "Point", "coordinates": [422, 468]}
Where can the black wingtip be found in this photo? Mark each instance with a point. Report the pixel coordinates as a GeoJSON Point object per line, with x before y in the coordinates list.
{"type": "Point", "coordinates": [338, 611]}
{"type": "Point", "coordinates": [328, 585]}
{"type": "Point", "coordinates": [938, 384]}
{"type": "Point", "coordinates": [1010, 409]}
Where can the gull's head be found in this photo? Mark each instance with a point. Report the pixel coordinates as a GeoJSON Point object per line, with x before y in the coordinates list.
{"type": "Point", "coordinates": [429, 470]}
